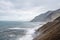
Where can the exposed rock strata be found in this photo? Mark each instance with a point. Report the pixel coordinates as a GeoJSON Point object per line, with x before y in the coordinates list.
{"type": "Point", "coordinates": [49, 31]}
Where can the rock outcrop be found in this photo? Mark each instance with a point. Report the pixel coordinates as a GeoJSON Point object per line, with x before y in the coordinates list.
{"type": "Point", "coordinates": [46, 17]}
{"type": "Point", "coordinates": [49, 31]}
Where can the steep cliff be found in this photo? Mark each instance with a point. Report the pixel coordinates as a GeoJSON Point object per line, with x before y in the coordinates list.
{"type": "Point", "coordinates": [46, 17]}
{"type": "Point", "coordinates": [49, 31]}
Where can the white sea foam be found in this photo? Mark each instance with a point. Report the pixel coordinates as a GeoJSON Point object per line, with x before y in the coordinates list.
{"type": "Point", "coordinates": [26, 37]}
{"type": "Point", "coordinates": [29, 35]}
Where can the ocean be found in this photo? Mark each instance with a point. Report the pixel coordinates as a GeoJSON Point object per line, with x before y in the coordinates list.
{"type": "Point", "coordinates": [16, 30]}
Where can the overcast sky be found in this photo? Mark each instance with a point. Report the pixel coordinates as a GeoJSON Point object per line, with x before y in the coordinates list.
{"type": "Point", "coordinates": [25, 10]}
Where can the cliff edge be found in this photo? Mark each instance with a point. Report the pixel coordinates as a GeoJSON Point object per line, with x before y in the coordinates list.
{"type": "Point", "coordinates": [49, 31]}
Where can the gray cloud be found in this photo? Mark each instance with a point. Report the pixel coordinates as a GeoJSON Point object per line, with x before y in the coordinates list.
{"type": "Point", "coordinates": [27, 9]}
{"type": "Point", "coordinates": [19, 4]}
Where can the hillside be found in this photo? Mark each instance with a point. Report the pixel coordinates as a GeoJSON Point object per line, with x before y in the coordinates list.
{"type": "Point", "coordinates": [49, 31]}
{"type": "Point", "coordinates": [46, 17]}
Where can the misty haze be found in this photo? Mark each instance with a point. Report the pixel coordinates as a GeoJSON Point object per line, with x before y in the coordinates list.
{"type": "Point", "coordinates": [23, 19]}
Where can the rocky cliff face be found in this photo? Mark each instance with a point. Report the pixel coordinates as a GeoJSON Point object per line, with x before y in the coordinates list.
{"type": "Point", "coordinates": [49, 31]}
{"type": "Point", "coordinates": [46, 17]}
